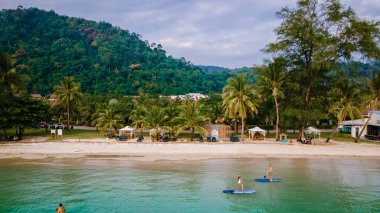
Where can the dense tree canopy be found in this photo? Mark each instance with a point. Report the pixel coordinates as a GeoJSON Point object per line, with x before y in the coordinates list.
{"type": "Point", "coordinates": [314, 38]}
{"type": "Point", "coordinates": [103, 58]}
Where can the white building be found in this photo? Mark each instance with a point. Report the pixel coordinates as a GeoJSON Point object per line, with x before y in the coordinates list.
{"type": "Point", "coordinates": [193, 96]}
{"type": "Point", "coordinates": [372, 131]}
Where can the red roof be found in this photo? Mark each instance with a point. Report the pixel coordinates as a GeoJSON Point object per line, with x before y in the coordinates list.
{"type": "Point", "coordinates": [36, 95]}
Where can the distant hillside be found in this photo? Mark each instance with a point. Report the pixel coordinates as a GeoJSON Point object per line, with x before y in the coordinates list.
{"type": "Point", "coordinates": [103, 58]}
{"type": "Point", "coordinates": [212, 68]}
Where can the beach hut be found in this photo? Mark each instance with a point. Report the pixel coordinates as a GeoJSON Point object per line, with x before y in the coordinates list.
{"type": "Point", "coordinates": [283, 137]}
{"type": "Point", "coordinates": [255, 130]}
{"type": "Point", "coordinates": [126, 130]}
{"type": "Point", "coordinates": [313, 131]}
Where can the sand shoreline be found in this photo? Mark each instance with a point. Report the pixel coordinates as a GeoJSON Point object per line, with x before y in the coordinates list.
{"type": "Point", "coordinates": [106, 149]}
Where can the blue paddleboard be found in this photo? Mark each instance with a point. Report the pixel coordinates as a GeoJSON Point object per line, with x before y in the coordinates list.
{"type": "Point", "coordinates": [267, 180]}
{"type": "Point", "coordinates": [239, 192]}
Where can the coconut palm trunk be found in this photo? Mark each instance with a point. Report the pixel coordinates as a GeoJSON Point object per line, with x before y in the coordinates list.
{"type": "Point", "coordinates": [191, 134]}
{"type": "Point", "coordinates": [333, 132]}
{"type": "Point", "coordinates": [242, 128]}
{"type": "Point", "coordinates": [366, 123]}
{"type": "Point", "coordinates": [68, 116]}
{"type": "Point", "coordinates": [364, 127]}
{"type": "Point", "coordinates": [277, 117]}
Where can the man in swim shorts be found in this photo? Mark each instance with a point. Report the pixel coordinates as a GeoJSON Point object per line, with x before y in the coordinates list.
{"type": "Point", "coordinates": [269, 171]}
{"type": "Point", "coordinates": [240, 183]}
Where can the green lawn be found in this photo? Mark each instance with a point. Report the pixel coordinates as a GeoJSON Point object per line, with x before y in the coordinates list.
{"type": "Point", "coordinates": [67, 134]}
{"type": "Point", "coordinates": [91, 134]}
{"type": "Point", "coordinates": [337, 137]}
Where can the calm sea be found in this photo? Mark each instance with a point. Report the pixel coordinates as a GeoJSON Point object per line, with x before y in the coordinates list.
{"type": "Point", "coordinates": [121, 185]}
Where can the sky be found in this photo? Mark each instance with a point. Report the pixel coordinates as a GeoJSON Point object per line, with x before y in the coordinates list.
{"type": "Point", "coordinates": [227, 33]}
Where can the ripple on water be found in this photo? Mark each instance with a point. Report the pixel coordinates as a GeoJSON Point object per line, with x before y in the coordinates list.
{"type": "Point", "coordinates": [95, 185]}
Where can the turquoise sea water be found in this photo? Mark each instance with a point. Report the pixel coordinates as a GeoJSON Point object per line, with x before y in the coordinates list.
{"type": "Point", "coordinates": [120, 185]}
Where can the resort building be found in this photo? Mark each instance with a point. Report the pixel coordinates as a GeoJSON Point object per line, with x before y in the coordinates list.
{"type": "Point", "coordinates": [193, 96]}
{"type": "Point", "coordinates": [37, 96]}
{"type": "Point", "coordinates": [371, 132]}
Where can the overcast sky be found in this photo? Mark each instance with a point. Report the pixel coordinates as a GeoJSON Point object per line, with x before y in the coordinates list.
{"type": "Point", "coordinates": [228, 33]}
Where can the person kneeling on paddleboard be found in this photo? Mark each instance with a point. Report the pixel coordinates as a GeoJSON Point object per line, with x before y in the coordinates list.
{"type": "Point", "coordinates": [240, 183]}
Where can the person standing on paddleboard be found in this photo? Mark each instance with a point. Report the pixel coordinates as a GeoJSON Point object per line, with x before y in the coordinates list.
{"type": "Point", "coordinates": [240, 183]}
{"type": "Point", "coordinates": [269, 172]}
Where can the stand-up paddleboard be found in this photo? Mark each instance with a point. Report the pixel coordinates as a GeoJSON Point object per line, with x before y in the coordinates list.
{"type": "Point", "coordinates": [239, 192]}
{"type": "Point", "coordinates": [267, 180]}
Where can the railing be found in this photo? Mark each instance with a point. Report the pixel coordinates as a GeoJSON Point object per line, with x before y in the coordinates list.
{"type": "Point", "coordinates": [372, 137]}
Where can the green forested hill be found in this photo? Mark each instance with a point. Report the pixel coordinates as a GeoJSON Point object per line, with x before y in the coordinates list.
{"type": "Point", "coordinates": [103, 58]}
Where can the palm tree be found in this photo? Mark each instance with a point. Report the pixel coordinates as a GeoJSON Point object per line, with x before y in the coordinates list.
{"type": "Point", "coordinates": [270, 82]}
{"type": "Point", "coordinates": [373, 87]}
{"type": "Point", "coordinates": [11, 82]}
{"type": "Point", "coordinates": [172, 111]}
{"type": "Point", "coordinates": [108, 119]}
{"type": "Point", "coordinates": [68, 94]}
{"type": "Point", "coordinates": [239, 98]}
{"type": "Point", "coordinates": [346, 105]}
{"type": "Point", "coordinates": [190, 118]}
{"type": "Point", "coordinates": [154, 118]}
{"type": "Point", "coordinates": [137, 118]}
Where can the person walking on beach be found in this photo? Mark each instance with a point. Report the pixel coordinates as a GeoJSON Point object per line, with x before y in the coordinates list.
{"type": "Point", "coordinates": [269, 172]}
{"type": "Point", "coordinates": [61, 209]}
{"type": "Point", "coordinates": [240, 183]}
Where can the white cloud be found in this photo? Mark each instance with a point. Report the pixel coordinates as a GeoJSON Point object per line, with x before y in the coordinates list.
{"type": "Point", "coordinates": [214, 32]}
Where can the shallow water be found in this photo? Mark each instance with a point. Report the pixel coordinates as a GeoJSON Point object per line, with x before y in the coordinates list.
{"type": "Point", "coordinates": [120, 185]}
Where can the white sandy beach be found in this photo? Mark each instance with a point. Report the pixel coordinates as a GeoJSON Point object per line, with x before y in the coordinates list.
{"type": "Point", "coordinates": [100, 148]}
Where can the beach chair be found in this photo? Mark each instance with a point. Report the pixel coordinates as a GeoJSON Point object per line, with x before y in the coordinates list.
{"type": "Point", "coordinates": [140, 139]}
{"type": "Point", "coordinates": [200, 139]}
{"type": "Point", "coordinates": [213, 139]}
{"type": "Point", "coordinates": [234, 139]}
{"type": "Point", "coordinates": [165, 139]}
{"type": "Point", "coordinates": [173, 139]}
{"type": "Point", "coordinates": [209, 139]}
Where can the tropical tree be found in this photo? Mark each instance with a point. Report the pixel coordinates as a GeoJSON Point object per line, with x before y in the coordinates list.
{"type": "Point", "coordinates": [172, 111]}
{"type": "Point", "coordinates": [26, 112]}
{"type": "Point", "coordinates": [108, 120]}
{"type": "Point", "coordinates": [190, 118]}
{"type": "Point", "coordinates": [347, 103]}
{"type": "Point", "coordinates": [239, 99]}
{"type": "Point", "coordinates": [316, 37]}
{"type": "Point", "coordinates": [154, 118]}
{"type": "Point", "coordinates": [271, 80]}
{"type": "Point", "coordinates": [11, 85]}
{"type": "Point", "coordinates": [373, 91]}
{"type": "Point", "coordinates": [11, 82]}
{"type": "Point", "coordinates": [69, 95]}
{"type": "Point", "coordinates": [212, 107]}
{"type": "Point", "coordinates": [137, 118]}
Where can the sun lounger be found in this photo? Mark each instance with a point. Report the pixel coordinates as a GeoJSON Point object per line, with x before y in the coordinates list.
{"type": "Point", "coordinates": [213, 139]}
{"type": "Point", "coordinates": [234, 139]}
{"type": "Point", "coordinates": [209, 139]}
{"type": "Point", "coordinates": [140, 139]}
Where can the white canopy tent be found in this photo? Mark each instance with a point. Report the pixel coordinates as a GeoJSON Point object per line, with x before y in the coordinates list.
{"type": "Point", "coordinates": [160, 131]}
{"type": "Point", "coordinates": [313, 131]}
{"type": "Point", "coordinates": [253, 131]}
{"type": "Point", "coordinates": [127, 129]}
